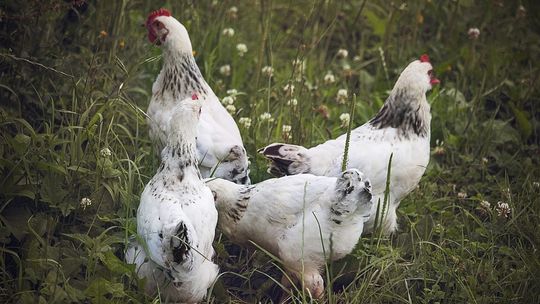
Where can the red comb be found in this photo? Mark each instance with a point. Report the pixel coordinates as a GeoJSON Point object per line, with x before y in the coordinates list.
{"type": "Point", "coordinates": [157, 13]}
{"type": "Point", "coordinates": [194, 96]}
{"type": "Point", "coordinates": [424, 58]}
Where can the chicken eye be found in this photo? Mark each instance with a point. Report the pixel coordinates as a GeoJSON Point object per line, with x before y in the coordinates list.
{"type": "Point", "coordinates": [158, 25]}
{"type": "Point", "coordinates": [430, 73]}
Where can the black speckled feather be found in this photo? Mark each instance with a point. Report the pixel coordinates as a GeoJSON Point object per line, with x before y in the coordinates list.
{"type": "Point", "coordinates": [183, 78]}
{"type": "Point", "coordinates": [398, 112]}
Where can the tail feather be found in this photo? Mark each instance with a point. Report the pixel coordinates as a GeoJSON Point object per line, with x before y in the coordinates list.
{"type": "Point", "coordinates": [286, 159]}
{"type": "Point", "coordinates": [354, 197]}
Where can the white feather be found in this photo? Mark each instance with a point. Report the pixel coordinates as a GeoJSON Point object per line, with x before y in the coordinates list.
{"type": "Point", "coordinates": [300, 218]}
{"type": "Point", "coordinates": [176, 218]}
{"type": "Point", "coordinates": [219, 145]}
{"type": "Point", "coordinates": [394, 131]}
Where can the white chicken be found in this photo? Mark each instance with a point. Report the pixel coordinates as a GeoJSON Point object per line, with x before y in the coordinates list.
{"type": "Point", "coordinates": [401, 129]}
{"type": "Point", "coordinates": [220, 150]}
{"type": "Point", "coordinates": [177, 218]}
{"type": "Point", "coordinates": [302, 219]}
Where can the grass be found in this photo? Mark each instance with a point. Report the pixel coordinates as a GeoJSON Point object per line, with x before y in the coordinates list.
{"type": "Point", "coordinates": [76, 80]}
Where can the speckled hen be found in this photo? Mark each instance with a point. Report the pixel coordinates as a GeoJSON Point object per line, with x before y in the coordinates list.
{"type": "Point", "coordinates": [220, 150]}
{"type": "Point", "coordinates": [401, 128]}
{"type": "Point", "coordinates": [302, 219]}
{"type": "Point", "coordinates": [177, 218]}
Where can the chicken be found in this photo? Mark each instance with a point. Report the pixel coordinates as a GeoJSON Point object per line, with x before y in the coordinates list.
{"type": "Point", "coordinates": [400, 129]}
{"type": "Point", "coordinates": [177, 218]}
{"type": "Point", "coordinates": [302, 219]}
{"type": "Point", "coordinates": [220, 150]}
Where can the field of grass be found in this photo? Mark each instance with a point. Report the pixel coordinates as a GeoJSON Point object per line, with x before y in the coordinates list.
{"type": "Point", "coordinates": [76, 80]}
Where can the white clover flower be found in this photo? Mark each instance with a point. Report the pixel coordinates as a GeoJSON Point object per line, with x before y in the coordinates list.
{"type": "Point", "coordinates": [357, 58]}
{"type": "Point", "coordinates": [286, 131]}
{"type": "Point", "coordinates": [265, 116]}
{"type": "Point", "coordinates": [292, 102]}
{"type": "Point", "coordinates": [536, 184]}
{"type": "Point", "coordinates": [268, 71]}
{"type": "Point", "coordinates": [227, 100]}
{"type": "Point", "coordinates": [439, 150]}
{"type": "Point", "coordinates": [439, 147]}
{"type": "Point", "coordinates": [233, 12]}
{"type": "Point", "coordinates": [329, 78]}
{"type": "Point", "coordinates": [462, 195]}
{"type": "Point", "coordinates": [473, 33]}
{"type": "Point", "coordinates": [105, 152]}
{"type": "Point", "coordinates": [485, 160]}
{"type": "Point", "coordinates": [228, 32]}
{"type": "Point", "coordinates": [484, 209]}
{"type": "Point", "coordinates": [342, 93]}
{"type": "Point", "coordinates": [503, 209]}
{"type": "Point", "coordinates": [232, 92]}
{"type": "Point", "coordinates": [342, 96]}
{"type": "Point", "coordinates": [85, 202]}
{"type": "Point", "coordinates": [245, 121]}
{"type": "Point", "coordinates": [345, 119]}
{"type": "Point", "coordinates": [242, 49]}
{"type": "Point", "coordinates": [342, 53]}
{"type": "Point", "coordinates": [346, 67]}
{"type": "Point", "coordinates": [289, 89]}
{"type": "Point", "coordinates": [299, 65]}
{"type": "Point", "coordinates": [310, 86]}
{"type": "Point", "coordinates": [231, 108]}
{"type": "Point", "coordinates": [225, 70]}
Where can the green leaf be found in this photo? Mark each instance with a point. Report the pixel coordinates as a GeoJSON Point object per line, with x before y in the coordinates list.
{"type": "Point", "coordinates": [100, 289]}
{"type": "Point", "coordinates": [20, 143]}
{"type": "Point", "coordinates": [83, 238]}
{"type": "Point", "coordinates": [505, 132]}
{"type": "Point", "coordinates": [53, 192]}
{"type": "Point", "coordinates": [21, 191]}
{"type": "Point", "coordinates": [15, 218]}
{"type": "Point", "coordinates": [4, 235]}
{"type": "Point", "coordinates": [114, 264]}
{"type": "Point", "coordinates": [524, 125]}
{"type": "Point", "coordinates": [377, 23]}
{"type": "Point", "coordinates": [51, 167]}
{"type": "Point", "coordinates": [79, 169]}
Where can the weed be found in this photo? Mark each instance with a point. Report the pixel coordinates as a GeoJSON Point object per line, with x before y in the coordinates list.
{"type": "Point", "coordinates": [76, 80]}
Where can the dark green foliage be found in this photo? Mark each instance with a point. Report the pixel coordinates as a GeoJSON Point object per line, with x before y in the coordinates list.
{"type": "Point", "coordinates": [75, 80]}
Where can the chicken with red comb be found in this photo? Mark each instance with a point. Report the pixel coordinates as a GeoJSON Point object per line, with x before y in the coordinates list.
{"type": "Point", "coordinates": [220, 150]}
{"type": "Point", "coordinates": [157, 13]}
{"type": "Point", "coordinates": [152, 35]}
{"type": "Point", "coordinates": [400, 130]}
